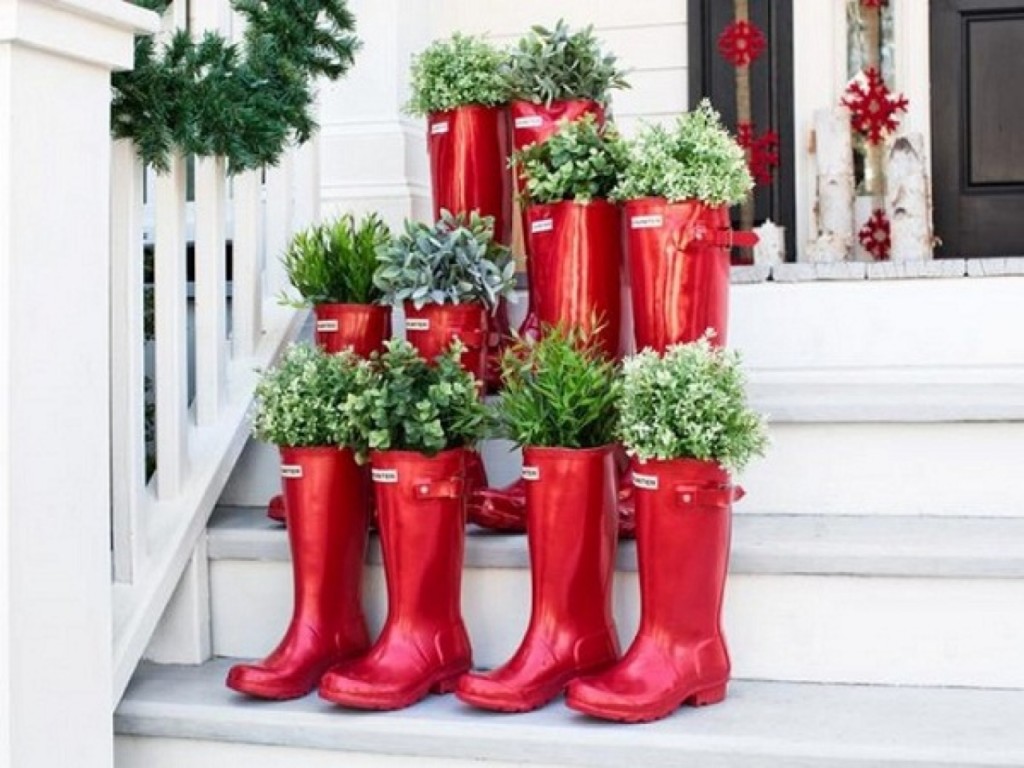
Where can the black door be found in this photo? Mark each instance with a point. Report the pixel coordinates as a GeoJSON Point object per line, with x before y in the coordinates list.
{"type": "Point", "coordinates": [977, 60]}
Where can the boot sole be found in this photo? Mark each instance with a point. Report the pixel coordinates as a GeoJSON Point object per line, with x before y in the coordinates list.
{"type": "Point", "coordinates": [703, 698]}
{"type": "Point", "coordinates": [440, 685]}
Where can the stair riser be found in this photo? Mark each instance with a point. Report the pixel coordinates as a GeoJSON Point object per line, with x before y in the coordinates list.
{"type": "Point", "coordinates": [901, 631]}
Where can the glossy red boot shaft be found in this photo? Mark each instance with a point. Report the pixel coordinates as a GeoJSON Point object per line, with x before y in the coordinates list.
{"type": "Point", "coordinates": [679, 656]}
{"type": "Point", "coordinates": [363, 327]}
{"type": "Point", "coordinates": [424, 646]}
{"type": "Point", "coordinates": [328, 517]}
{"type": "Point", "coordinates": [570, 496]}
{"type": "Point", "coordinates": [432, 329]}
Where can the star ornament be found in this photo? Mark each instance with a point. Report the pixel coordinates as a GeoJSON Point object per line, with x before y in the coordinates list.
{"type": "Point", "coordinates": [741, 43]}
{"type": "Point", "coordinates": [762, 151]}
{"type": "Point", "coordinates": [875, 110]}
{"type": "Point", "coordinates": [876, 236]}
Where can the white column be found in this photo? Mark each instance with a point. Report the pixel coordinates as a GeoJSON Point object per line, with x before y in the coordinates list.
{"type": "Point", "coordinates": [55, 581]}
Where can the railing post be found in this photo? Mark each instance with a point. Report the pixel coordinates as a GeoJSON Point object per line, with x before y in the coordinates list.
{"type": "Point", "coordinates": [55, 583]}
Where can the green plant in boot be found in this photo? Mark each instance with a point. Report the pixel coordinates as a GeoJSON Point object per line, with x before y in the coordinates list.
{"type": "Point", "coordinates": [461, 71]}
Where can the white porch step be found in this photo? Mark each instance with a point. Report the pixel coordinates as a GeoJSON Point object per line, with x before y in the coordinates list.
{"type": "Point", "coordinates": [869, 599]}
{"type": "Point", "coordinates": [176, 716]}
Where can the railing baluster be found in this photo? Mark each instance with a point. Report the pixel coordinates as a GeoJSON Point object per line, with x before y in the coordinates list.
{"type": "Point", "coordinates": [210, 311]}
{"type": "Point", "coordinates": [127, 374]}
{"type": "Point", "coordinates": [246, 297]}
{"type": "Point", "coordinates": [279, 212]}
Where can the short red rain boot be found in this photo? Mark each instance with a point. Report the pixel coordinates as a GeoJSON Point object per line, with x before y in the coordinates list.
{"type": "Point", "coordinates": [683, 511]}
{"type": "Point", "coordinates": [432, 329]}
{"type": "Point", "coordinates": [424, 646]}
{"type": "Point", "coordinates": [570, 498]}
{"type": "Point", "coordinates": [327, 532]}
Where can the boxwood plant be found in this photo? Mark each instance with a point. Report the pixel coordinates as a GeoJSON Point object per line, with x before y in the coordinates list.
{"type": "Point", "coordinates": [457, 72]}
{"type": "Point", "coordinates": [581, 162]}
{"type": "Point", "coordinates": [695, 160]}
{"type": "Point", "coordinates": [561, 64]}
{"type": "Point", "coordinates": [454, 261]}
{"type": "Point", "coordinates": [559, 392]}
{"type": "Point", "coordinates": [689, 403]}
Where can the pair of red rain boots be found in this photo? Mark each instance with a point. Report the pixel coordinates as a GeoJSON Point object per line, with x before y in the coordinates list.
{"type": "Point", "coordinates": [423, 646]}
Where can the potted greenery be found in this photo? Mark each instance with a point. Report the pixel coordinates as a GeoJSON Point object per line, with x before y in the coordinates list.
{"type": "Point", "coordinates": [417, 419]}
{"type": "Point", "coordinates": [458, 85]}
{"type": "Point", "coordinates": [559, 404]}
{"type": "Point", "coordinates": [677, 186]}
{"type": "Point", "coordinates": [684, 418]}
{"type": "Point", "coordinates": [299, 409]}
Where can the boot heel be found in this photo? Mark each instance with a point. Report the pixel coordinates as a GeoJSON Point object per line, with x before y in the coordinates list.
{"type": "Point", "coordinates": [447, 685]}
{"type": "Point", "coordinates": [708, 696]}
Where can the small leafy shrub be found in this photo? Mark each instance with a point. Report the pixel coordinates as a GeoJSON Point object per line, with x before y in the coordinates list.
{"type": "Point", "coordinates": [454, 261]}
{"type": "Point", "coordinates": [559, 392]}
{"type": "Point", "coordinates": [561, 65]}
{"type": "Point", "coordinates": [404, 403]}
{"type": "Point", "coordinates": [334, 263]}
{"type": "Point", "coordinates": [581, 162]}
{"type": "Point", "coordinates": [698, 160]}
{"type": "Point", "coordinates": [689, 403]}
{"type": "Point", "coordinates": [299, 402]}
{"type": "Point", "coordinates": [457, 72]}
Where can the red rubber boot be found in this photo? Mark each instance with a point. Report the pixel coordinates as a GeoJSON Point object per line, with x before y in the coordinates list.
{"type": "Point", "coordinates": [327, 528]}
{"type": "Point", "coordinates": [684, 510]}
{"type": "Point", "coordinates": [433, 328]}
{"type": "Point", "coordinates": [572, 536]}
{"type": "Point", "coordinates": [424, 646]}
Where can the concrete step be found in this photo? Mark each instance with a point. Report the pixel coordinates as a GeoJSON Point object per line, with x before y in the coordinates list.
{"type": "Point", "coordinates": [175, 716]}
{"type": "Point", "coordinates": [867, 599]}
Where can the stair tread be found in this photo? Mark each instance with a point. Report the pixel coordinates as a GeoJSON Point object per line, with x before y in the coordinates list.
{"type": "Point", "coordinates": [788, 723]}
{"type": "Point", "coordinates": [913, 546]}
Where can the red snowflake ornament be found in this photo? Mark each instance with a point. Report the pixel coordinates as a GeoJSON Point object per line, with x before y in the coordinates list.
{"type": "Point", "coordinates": [741, 43]}
{"type": "Point", "coordinates": [762, 151]}
{"type": "Point", "coordinates": [876, 236]}
{"type": "Point", "coordinates": [873, 106]}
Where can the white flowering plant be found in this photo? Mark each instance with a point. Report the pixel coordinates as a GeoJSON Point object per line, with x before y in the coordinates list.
{"type": "Point", "coordinates": [696, 160]}
{"type": "Point", "coordinates": [689, 403]}
{"type": "Point", "coordinates": [299, 401]}
{"type": "Point", "coordinates": [460, 71]}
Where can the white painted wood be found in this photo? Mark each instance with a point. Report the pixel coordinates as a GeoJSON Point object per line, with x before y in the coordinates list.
{"type": "Point", "coordinates": [279, 211]}
{"type": "Point", "coordinates": [912, 53]}
{"type": "Point", "coordinates": [127, 375]}
{"type": "Point", "coordinates": [247, 284]}
{"type": "Point", "coordinates": [183, 635]}
{"type": "Point", "coordinates": [908, 199]}
{"type": "Point", "coordinates": [210, 292]}
{"type": "Point", "coordinates": [306, 171]}
{"type": "Point", "coordinates": [171, 376]}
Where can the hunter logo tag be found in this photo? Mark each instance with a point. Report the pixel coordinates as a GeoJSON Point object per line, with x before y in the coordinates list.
{"type": "Point", "coordinates": [417, 324]}
{"type": "Point", "coordinates": [653, 221]}
{"type": "Point", "coordinates": [531, 473]}
{"type": "Point", "coordinates": [438, 128]}
{"type": "Point", "coordinates": [327, 326]}
{"type": "Point", "coordinates": [544, 225]}
{"type": "Point", "coordinates": [388, 476]}
{"type": "Point", "coordinates": [291, 471]}
{"type": "Point", "coordinates": [646, 482]}
{"type": "Point", "coordinates": [530, 121]}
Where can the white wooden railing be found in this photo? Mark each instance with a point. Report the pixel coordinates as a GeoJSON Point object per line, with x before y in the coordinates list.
{"type": "Point", "coordinates": [200, 431]}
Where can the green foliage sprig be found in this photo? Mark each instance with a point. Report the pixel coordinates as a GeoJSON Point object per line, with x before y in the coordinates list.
{"type": "Point", "coordinates": [561, 64]}
{"type": "Point", "coordinates": [689, 403]}
{"type": "Point", "coordinates": [405, 403]}
{"type": "Point", "coordinates": [581, 162]}
{"type": "Point", "coordinates": [697, 160]}
{"type": "Point", "coordinates": [457, 72]}
{"type": "Point", "coordinates": [559, 392]}
{"type": "Point", "coordinates": [454, 261]}
{"type": "Point", "coordinates": [244, 102]}
{"type": "Point", "coordinates": [300, 401]}
{"type": "Point", "coordinates": [334, 263]}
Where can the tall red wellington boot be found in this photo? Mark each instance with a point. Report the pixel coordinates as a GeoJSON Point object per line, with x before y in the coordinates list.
{"type": "Point", "coordinates": [571, 531]}
{"type": "Point", "coordinates": [684, 510]}
{"type": "Point", "coordinates": [363, 327]}
{"type": "Point", "coordinates": [424, 646]}
{"type": "Point", "coordinates": [328, 518]}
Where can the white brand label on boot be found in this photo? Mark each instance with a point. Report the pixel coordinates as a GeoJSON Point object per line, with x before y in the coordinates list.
{"type": "Point", "coordinates": [645, 482]}
{"type": "Point", "coordinates": [531, 473]}
{"type": "Point", "coordinates": [654, 221]}
{"type": "Point", "coordinates": [327, 326]}
{"type": "Point", "coordinates": [544, 225]}
{"type": "Point", "coordinates": [291, 471]}
{"type": "Point", "coordinates": [437, 128]}
{"type": "Point", "coordinates": [417, 324]}
{"type": "Point", "coordinates": [530, 121]}
{"type": "Point", "coordinates": [389, 476]}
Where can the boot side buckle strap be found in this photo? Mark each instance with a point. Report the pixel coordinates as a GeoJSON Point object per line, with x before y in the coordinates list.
{"type": "Point", "coordinates": [701, 496]}
{"type": "Point", "coordinates": [438, 489]}
{"type": "Point", "coordinates": [726, 238]}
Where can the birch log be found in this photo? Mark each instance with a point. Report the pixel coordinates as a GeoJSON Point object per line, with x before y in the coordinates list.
{"type": "Point", "coordinates": [771, 243]}
{"type": "Point", "coordinates": [908, 200]}
{"type": "Point", "coordinates": [834, 156]}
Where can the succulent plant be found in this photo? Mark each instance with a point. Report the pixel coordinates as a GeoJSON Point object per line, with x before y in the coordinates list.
{"type": "Point", "coordinates": [457, 72]}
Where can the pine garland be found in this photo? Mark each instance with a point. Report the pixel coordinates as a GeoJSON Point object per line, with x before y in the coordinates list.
{"type": "Point", "coordinates": [245, 102]}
